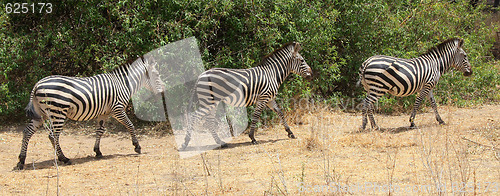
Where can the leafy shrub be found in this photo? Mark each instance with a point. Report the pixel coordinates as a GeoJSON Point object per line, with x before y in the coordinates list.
{"type": "Point", "coordinates": [406, 29]}
{"type": "Point", "coordinates": [92, 37]}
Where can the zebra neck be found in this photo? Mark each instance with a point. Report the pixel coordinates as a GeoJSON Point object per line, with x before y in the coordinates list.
{"type": "Point", "coordinates": [131, 76]}
{"type": "Point", "coordinates": [441, 60]}
{"type": "Point", "coordinates": [442, 56]}
{"type": "Point", "coordinates": [276, 70]}
{"type": "Point", "coordinates": [277, 66]}
{"type": "Point", "coordinates": [138, 77]}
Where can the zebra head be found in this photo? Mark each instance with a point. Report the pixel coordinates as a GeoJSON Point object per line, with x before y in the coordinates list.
{"type": "Point", "coordinates": [460, 60]}
{"type": "Point", "coordinates": [298, 64]}
{"type": "Point", "coordinates": [153, 82]}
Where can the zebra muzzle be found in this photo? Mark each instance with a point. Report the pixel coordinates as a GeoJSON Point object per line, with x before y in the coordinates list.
{"type": "Point", "coordinates": [308, 76]}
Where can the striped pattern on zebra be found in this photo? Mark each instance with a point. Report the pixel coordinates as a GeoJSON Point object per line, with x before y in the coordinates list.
{"type": "Point", "coordinates": [402, 77]}
{"type": "Point", "coordinates": [244, 87]}
{"type": "Point", "coordinates": [57, 98]}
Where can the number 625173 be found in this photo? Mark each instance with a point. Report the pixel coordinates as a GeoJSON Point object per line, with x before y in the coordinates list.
{"type": "Point", "coordinates": [23, 8]}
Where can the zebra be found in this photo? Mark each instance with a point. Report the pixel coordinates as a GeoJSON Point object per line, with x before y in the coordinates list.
{"type": "Point", "coordinates": [402, 77]}
{"type": "Point", "coordinates": [57, 98]}
{"type": "Point", "coordinates": [244, 87]}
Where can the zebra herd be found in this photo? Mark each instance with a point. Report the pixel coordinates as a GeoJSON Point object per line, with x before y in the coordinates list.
{"type": "Point", "coordinates": [57, 98]}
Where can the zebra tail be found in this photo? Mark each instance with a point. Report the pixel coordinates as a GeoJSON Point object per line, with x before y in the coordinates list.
{"type": "Point", "coordinates": [360, 79]}
{"type": "Point", "coordinates": [358, 83]}
{"type": "Point", "coordinates": [361, 73]}
{"type": "Point", "coordinates": [362, 70]}
{"type": "Point", "coordinates": [31, 111]}
{"type": "Point", "coordinates": [190, 109]}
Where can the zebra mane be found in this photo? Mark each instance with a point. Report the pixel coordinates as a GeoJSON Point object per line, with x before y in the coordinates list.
{"type": "Point", "coordinates": [129, 64]}
{"type": "Point", "coordinates": [443, 45]}
{"type": "Point", "coordinates": [265, 58]}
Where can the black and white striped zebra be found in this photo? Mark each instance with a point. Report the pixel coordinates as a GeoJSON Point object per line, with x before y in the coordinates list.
{"type": "Point", "coordinates": [244, 87]}
{"type": "Point", "coordinates": [402, 77]}
{"type": "Point", "coordinates": [57, 98]}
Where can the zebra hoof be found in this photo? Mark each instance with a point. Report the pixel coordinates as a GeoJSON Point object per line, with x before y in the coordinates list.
{"type": "Point", "coordinates": [292, 136]}
{"type": "Point", "coordinates": [255, 142]}
{"type": "Point", "coordinates": [138, 149]}
{"type": "Point", "coordinates": [224, 145]}
{"type": "Point", "coordinates": [412, 126]}
{"type": "Point", "coordinates": [442, 123]}
{"type": "Point", "coordinates": [98, 153]}
{"type": "Point", "coordinates": [64, 160]}
{"type": "Point", "coordinates": [183, 147]}
{"type": "Point", "coordinates": [19, 166]}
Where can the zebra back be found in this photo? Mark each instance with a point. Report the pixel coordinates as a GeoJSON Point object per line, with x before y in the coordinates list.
{"type": "Point", "coordinates": [84, 98]}
{"type": "Point", "coordinates": [244, 87]}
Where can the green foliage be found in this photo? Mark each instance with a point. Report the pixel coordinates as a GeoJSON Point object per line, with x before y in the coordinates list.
{"type": "Point", "coordinates": [406, 29]}
{"type": "Point", "coordinates": [84, 38]}
{"type": "Point", "coordinates": [482, 87]}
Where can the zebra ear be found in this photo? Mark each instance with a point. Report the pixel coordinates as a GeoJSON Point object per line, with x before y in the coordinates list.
{"type": "Point", "coordinates": [296, 48]}
{"type": "Point", "coordinates": [150, 62]}
{"type": "Point", "coordinates": [460, 43]}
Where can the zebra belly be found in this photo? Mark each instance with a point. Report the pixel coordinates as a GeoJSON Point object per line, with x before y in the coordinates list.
{"type": "Point", "coordinates": [74, 105]}
{"type": "Point", "coordinates": [215, 85]}
{"type": "Point", "coordinates": [73, 115]}
{"type": "Point", "coordinates": [230, 98]}
{"type": "Point", "coordinates": [397, 93]}
{"type": "Point", "coordinates": [394, 76]}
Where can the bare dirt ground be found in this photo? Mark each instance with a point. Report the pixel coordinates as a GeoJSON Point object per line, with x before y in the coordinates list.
{"type": "Point", "coordinates": [329, 157]}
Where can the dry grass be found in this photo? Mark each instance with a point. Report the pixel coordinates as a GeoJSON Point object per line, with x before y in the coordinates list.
{"type": "Point", "coordinates": [328, 158]}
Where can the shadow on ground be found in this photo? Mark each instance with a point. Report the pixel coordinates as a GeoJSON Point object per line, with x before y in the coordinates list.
{"type": "Point", "coordinates": [249, 143]}
{"type": "Point", "coordinates": [76, 161]}
{"type": "Point", "coordinates": [234, 145]}
{"type": "Point", "coordinates": [399, 129]}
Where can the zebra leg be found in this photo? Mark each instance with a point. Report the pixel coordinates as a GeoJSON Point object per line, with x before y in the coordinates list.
{"type": "Point", "coordinates": [274, 106]}
{"type": "Point", "coordinates": [121, 117]}
{"type": "Point", "coordinates": [434, 107]}
{"type": "Point", "coordinates": [255, 119]}
{"type": "Point", "coordinates": [228, 119]}
{"type": "Point", "coordinates": [367, 110]}
{"type": "Point", "coordinates": [187, 138]}
{"type": "Point", "coordinates": [372, 119]}
{"type": "Point", "coordinates": [99, 133]}
{"type": "Point", "coordinates": [54, 139]}
{"type": "Point", "coordinates": [27, 133]}
{"type": "Point", "coordinates": [230, 124]}
{"type": "Point", "coordinates": [420, 98]}
{"type": "Point", "coordinates": [365, 116]}
{"type": "Point", "coordinates": [213, 125]}
{"type": "Point", "coordinates": [192, 120]}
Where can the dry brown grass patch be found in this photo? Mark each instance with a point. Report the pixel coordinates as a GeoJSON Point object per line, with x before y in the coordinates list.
{"type": "Point", "coordinates": [377, 139]}
{"type": "Point", "coordinates": [326, 152]}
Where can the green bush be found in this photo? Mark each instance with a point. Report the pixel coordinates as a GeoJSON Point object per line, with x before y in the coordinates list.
{"type": "Point", "coordinates": [406, 29]}
{"type": "Point", "coordinates": [86, 38]}
{"type": "Point", "coordinates": [83, 39]}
